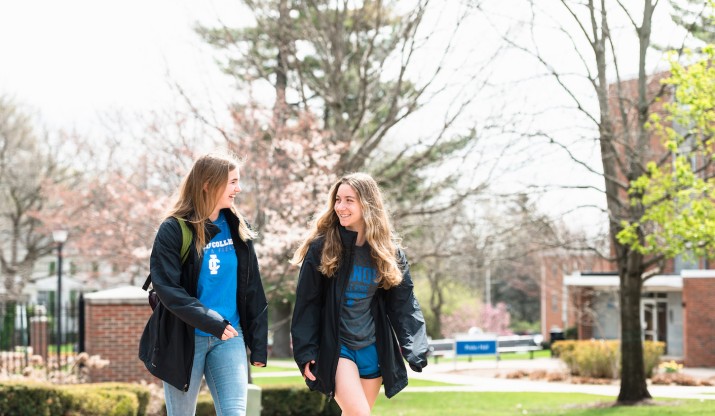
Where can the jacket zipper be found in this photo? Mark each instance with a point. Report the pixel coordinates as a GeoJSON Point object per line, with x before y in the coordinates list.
{"type": "Point", "coordinates": [194, 282]}
{"type": "Point", "coordinates": [245, 286]}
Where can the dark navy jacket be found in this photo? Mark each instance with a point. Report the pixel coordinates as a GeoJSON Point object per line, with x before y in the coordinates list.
{"type": "Point", "coordinates": [399, 325]}
{"type": "Point", "coordinates": [167, 344]}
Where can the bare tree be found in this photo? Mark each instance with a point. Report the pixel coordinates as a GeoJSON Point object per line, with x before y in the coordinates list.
{"type": "Point", "coordinates": [28, 164]}
{"type": "Point", "coordinates": [618, 110]}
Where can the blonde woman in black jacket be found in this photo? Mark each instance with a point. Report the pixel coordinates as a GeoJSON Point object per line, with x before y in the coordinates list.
{"type": "Point", "coordinates": [213, 304]}
{"type": "Point", "coordinates": [355, 316]}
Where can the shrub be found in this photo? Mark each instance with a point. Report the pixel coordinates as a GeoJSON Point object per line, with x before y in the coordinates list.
{"type": "Point", "coordinates": [289, 400]}
{"type": "Point", "coordinates": [602, 359]}
{"type": "Point", "coordinates": [103, 403]}
{"type": "Point", "coordinates": [29, 399]}
{"type": "Point", "coordinates": [204, 405]}
{"type": "Point", "coordinates": [597, 359]}
{"type": "Point", "coordinates": [652, 351]}
{"type": "Point", "coordinates": [560, 347]}
{"type": "Point", "coordinates": [80, 399]}
{"type": "Point", "coordinates": [141, 392]}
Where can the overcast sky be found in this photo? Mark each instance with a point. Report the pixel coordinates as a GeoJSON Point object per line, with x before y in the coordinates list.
{"type": "Point", "coordinates": [73, 60]}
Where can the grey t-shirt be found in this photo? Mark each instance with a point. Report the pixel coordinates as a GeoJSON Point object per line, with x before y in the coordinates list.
{"type": "Point", "coordinates": [357, 328]}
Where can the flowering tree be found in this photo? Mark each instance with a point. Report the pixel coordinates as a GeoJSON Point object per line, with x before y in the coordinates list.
{"type": "Point", "coordinates": [28, 161]}
{"type": "Point", "coordinates": [461, 319]}
{"type": "Point", "coordinates": [340, 71]}
{"type": "Point", "coordinates": [288, 170]}
{"type": "Point", "coordinates": [124, 185]}
{"type": "Point", "coordinates": [495, 319]}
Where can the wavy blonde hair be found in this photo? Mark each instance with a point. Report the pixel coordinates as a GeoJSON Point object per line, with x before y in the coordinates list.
{"type": "Point", "coordinates": [379, 234]}
{"type": "Point", "coordinates": [200, 191]}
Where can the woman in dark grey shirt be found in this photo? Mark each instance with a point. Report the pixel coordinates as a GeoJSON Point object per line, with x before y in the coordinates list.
{"type": "Point", "coordinates": [353, 278]}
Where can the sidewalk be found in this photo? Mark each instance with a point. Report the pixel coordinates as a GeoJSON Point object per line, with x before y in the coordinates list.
{"type": "Point", "coordinates": [479, 376]}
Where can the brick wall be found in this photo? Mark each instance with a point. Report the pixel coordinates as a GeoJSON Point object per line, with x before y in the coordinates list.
{"type": "Point", "coordinates": [699, 321]}
{"type": "Point", "coordinates": [114, 323]}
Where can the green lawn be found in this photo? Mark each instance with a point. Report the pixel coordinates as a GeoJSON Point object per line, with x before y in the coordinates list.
{"type": "Point", "coordinates": [449, 403]}
{"type": "Point", "coordinates": [272, 369]}
{"type": "Point", "coordinates": [298, 381]}
{"type": "Point", "coordinates": [497, 404]}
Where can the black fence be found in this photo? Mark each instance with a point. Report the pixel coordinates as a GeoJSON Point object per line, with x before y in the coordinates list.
{"type": "Point", "coordinates": [28, 336]}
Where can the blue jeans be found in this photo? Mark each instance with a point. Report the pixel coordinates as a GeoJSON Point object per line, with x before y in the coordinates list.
{"type": "Point", "coordinates": [225, 367]}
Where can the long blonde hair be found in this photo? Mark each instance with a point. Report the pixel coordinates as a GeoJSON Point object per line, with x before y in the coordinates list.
{"type": "Point", "coordinates": [200, 191]}
{"type": "Point", "coordinates": [379, 234]}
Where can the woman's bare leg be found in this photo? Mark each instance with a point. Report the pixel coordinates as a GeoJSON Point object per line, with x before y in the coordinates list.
{"type": "Point", "coordinates": [371, 387]}
{"type": "Point", "coordinates": [349, 392]}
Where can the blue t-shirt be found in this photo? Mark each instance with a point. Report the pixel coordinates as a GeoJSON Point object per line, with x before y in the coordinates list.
{"type": "Point", "coordinates": [218, 279]}
{"type": "Point", "coordinates": [357, 328]}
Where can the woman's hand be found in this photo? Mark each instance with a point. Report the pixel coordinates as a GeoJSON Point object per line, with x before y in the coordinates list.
{"type": "Point", "coordinates": [228, 333]}
{"type": "Point", "coordinates": [257, 364]}
{"type": "Point", "coordinates": [307, 373]}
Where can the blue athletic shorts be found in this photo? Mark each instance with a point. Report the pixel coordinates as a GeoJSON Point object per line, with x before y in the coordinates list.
{"type": "Point", "coordinates": [365, 359]}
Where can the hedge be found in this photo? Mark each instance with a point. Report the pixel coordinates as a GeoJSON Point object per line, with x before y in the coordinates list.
{"type": "Point", "coordinates": [602, 359]}
{"type": "Point", "coordinates": [29, 398]}
{"type": "Point", "coordinates": [281, 400]}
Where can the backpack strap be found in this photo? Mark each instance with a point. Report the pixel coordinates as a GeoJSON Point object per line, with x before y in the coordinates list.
{"type": "Point", "coordinates": [186, 238]}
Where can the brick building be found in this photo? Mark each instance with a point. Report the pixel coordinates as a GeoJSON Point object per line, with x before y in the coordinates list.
{"type": "Point", "coordinates": [677, 299]}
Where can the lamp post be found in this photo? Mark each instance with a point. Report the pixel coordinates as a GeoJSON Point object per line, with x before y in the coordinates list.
{"type": "Point", "coordinates": [59, 236]}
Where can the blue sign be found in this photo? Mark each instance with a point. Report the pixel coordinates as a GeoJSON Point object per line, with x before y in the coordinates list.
{"type": "Point", "coordinates": [476, 347]}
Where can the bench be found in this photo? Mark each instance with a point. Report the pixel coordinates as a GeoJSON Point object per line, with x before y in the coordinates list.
{"type": "Point", "coordinates": [505, 344]}
{"type": "Point", "coordinates": [440, 347]}
{"type": "Point", "coordinates": [519, 343]}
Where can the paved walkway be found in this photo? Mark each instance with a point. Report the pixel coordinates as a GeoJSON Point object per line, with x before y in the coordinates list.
{"type": "Point", "coordinates": [480, 376]}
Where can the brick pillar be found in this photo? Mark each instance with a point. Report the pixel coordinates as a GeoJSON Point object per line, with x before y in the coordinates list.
{"type": "Point", "coordinates": [114, 323]}
{"type": "Point", "coordinates": [39, 337]}
{"type": "Point", "coordinates": [699, 318]}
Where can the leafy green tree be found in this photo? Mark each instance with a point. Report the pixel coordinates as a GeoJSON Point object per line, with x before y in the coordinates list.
{"type": "Point", "coordinates": [678, 198]}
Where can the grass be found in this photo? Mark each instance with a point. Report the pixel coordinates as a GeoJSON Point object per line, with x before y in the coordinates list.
{"type": "Point", "coordinates": [454, 403]}
{"type": "Point", "coordinates": [298, 381]}
{"type": "Point", "coordinates": [272, 369]}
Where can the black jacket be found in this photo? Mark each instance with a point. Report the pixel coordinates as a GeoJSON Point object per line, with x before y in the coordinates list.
{"type": "Point", "coordinates": [316, 317]}
{"type": "Point", "coordinates": [167, 344]}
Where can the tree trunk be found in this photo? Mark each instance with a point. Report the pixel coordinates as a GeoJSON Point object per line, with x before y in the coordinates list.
{"type": "Point", "coordinates": [281, 313]}
{"type": "Point", "coordinates": [436, 302]}
{"type": "Point", "coordinates": [633, 378]}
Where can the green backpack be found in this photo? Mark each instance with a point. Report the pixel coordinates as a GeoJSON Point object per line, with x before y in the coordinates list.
{"type": "Point", "coordinates": [186, 238]}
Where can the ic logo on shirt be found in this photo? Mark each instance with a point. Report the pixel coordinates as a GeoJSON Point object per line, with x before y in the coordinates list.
{"type": "Point", "coordinates": [214, 264]}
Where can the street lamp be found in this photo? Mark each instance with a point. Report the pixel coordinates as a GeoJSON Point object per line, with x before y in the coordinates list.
{"type": "Point", "coordinates": [59, 236]}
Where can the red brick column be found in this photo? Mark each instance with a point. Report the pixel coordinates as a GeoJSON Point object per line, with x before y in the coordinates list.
{"type": "Point", "coordinates": [699, 320]}
{"type": "Point", "coordinates": [39, 337]}
{"type": "Point", "coordinates": [114, 323]}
